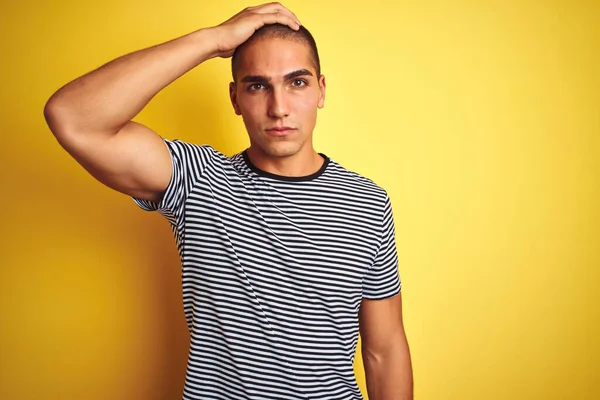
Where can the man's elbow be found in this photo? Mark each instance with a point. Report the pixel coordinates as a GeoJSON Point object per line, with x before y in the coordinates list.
{"type": "Point", "coordinates": [391, 355]}
{"type": "Point", "coordinates": [383, 347]}
{"type": "Point", "coordinates": [388, 372]}
{"type": "Point", "coordinates": [58, 118]}
{"type": "Point", "coordinates": [383, 357]}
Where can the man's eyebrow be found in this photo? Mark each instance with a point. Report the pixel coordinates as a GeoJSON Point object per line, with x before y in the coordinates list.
{"type": "Point", "coordinates": [264, 80]}
{"type": "Point", "coordinates": [256, 79]}
{"type": "Point", "coordinates": [295, 74]}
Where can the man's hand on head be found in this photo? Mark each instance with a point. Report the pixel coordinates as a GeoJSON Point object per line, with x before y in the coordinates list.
{"type": "Point", "coordinates": [237, 29]}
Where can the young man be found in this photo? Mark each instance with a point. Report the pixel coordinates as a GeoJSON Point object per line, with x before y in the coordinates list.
{"type": "Point", "coordinates": [286, 255]}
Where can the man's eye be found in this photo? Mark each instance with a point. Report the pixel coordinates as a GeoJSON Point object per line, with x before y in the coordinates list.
{"type": "Point", "coordinates": [256, 86]}
{"type": "Point", "coordinates": [299, 82]}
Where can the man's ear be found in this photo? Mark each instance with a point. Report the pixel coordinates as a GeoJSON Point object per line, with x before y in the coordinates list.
{"type": "Point", "coordinates": [322, 87]}
{"type": "Point", "coordinates": [233, 97]}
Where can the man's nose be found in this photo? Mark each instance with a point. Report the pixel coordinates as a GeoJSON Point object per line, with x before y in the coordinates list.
{"type": "Point", "coordinates": [278, 104]}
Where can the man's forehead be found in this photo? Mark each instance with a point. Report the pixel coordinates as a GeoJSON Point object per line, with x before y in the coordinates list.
{"type": "Point", "coordinates": [256, 74]}
{"type": "Point", "coordinates": [276, 58]}
{"type": "Point", "coordinates": [259, 77]}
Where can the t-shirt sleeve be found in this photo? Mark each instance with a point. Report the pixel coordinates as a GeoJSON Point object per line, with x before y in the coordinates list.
{"type": "Point", "coordinates": [188, 161]}
{"type": "Point", "coordinates": [383, 279]}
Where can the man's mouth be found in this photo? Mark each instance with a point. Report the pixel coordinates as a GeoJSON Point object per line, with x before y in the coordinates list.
{"type": "Point", "coordinates": [280, 130]}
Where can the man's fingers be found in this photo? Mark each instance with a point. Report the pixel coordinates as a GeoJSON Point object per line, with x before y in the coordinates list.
{"type": "Point", "coordinates": [280, 18]}
{"type": "Point", "coordinates": [272, 8]}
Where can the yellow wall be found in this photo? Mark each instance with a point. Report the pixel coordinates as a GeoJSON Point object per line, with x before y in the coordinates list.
{"type": "Point", "coordinates": [481, 120]}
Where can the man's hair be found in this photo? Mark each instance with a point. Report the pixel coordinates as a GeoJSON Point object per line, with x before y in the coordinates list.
{"type": "Point", "coordinates": [279, 31]}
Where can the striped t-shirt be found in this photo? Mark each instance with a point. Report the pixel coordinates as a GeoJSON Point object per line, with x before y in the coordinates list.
{"type": "Point", "coordinates": [274, 271]}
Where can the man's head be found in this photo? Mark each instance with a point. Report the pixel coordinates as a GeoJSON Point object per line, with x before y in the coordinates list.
{"type": "Point", "coordinates": [277, 83]}
{"type": "Point", "coordinates": [278, 31]}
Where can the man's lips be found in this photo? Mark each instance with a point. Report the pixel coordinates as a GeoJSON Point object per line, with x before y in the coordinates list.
{"type": "Point", "coordinates": [279, 130]}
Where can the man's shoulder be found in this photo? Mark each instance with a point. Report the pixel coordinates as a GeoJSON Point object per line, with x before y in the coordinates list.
{"type": "Point", "coordinates": [355, 181]}
{"type": "Point", "coordinates": [195, 150]}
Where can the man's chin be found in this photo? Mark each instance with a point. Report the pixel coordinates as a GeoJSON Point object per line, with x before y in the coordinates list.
{"type": "Point", "coordinates": [279, 150]}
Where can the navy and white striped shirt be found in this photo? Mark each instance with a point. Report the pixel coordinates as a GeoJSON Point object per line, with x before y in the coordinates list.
{"type": "Point", "coordinates": [274, 271]}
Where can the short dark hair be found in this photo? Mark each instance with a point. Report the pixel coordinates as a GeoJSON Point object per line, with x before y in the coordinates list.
{"type": "Point", "coordinates": [279, 31]}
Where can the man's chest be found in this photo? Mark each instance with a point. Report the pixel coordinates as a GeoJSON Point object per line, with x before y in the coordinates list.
{"type": "Point", "coordinates": [294, 245]}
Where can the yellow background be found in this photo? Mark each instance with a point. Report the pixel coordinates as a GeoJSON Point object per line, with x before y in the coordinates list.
{"type": "Point", "coordinates": [481, 119]}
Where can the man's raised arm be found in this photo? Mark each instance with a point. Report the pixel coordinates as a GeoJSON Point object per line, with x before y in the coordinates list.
{"type": "Point", "coordinates": [91, 116]}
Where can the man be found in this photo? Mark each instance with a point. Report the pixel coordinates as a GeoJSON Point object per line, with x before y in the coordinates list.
{"type": "Point", "coordinates": [286, 255]}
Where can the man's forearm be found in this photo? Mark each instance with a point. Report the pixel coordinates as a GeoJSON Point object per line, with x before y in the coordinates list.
{"type": "Point", "coordinates": [389, 375]}
{"type": "Point", "coordinates": [110, 96]}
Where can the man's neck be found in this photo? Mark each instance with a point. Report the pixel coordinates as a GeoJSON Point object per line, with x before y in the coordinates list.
{"type": "Point", "coordinates": [304, 163]}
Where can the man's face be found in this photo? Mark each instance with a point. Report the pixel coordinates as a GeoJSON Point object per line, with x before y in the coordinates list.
{"type": "Point", "coordinates": [277, 93]}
